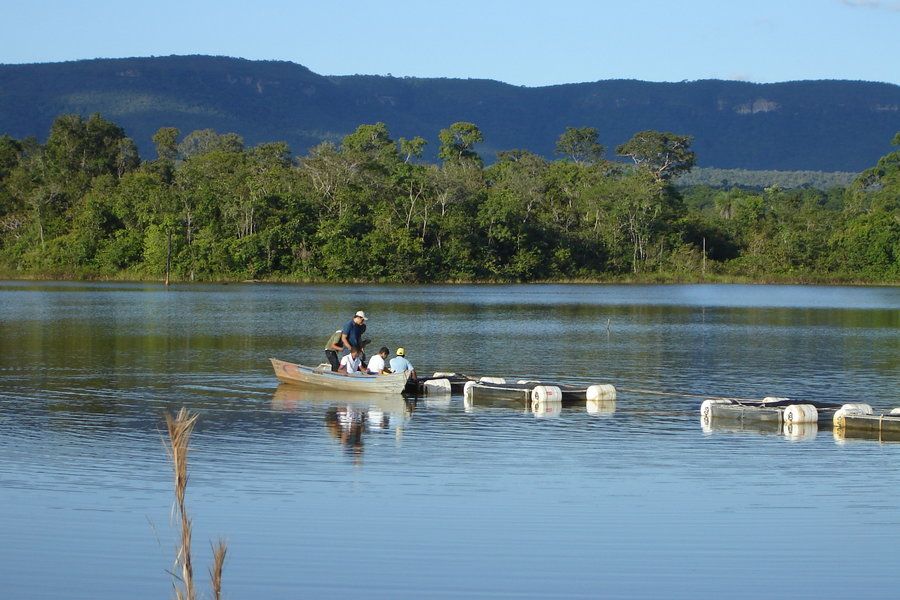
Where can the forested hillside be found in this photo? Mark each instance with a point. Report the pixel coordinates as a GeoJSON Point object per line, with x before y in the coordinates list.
{"type": "Point", "coordinates": [369, 208]}
{"type": "Point", "coordinates": [802, 125]}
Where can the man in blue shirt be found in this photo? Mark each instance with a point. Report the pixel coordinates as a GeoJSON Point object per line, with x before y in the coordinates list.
{"type": "Point", "coordinates": [351, 334]}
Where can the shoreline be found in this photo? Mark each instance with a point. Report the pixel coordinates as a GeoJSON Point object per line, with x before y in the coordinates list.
{"type": "Point", "coordinates": [648, 279]}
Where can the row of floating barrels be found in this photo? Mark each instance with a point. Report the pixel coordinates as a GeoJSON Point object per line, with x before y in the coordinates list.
{"type": "Point", "coordinates": [854, 418]}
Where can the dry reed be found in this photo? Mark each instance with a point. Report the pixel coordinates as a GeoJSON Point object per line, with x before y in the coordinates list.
{"type": "Point", "coordinates": [180, 428]}
{"type": "Point", "coordinates": [215, 572]}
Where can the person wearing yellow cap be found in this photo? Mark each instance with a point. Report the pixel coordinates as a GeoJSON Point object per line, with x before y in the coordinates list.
{"type": "Point", "coordinates": [399, 364]}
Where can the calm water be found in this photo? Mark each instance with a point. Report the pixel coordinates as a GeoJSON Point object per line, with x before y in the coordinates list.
{"type": "Point", "coordinates": [434, 499]}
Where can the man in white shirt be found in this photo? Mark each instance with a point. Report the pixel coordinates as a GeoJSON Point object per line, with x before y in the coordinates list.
{"type": "Point", "coordinates": [399, 364]}
{"type": "Point", "coordinates": [350, 363]}
{"type": "Point", "coordinates": [376, 363]}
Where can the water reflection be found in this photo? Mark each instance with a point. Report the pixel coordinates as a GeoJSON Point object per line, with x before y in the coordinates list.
{"type": "Point", "coordinates": [546, 409]}
{"type": "Point", "coordinates": [349, 416]}
{"type": "Point", "coordinates": [600, 408]}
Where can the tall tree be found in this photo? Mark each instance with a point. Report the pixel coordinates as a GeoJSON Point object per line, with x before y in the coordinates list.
{"type": "Point", "coordinates": [663, 154]}
{"type": "Point", "coordinates": [580, 144]}
{"type": "Point", "coordinates": [458, 142]}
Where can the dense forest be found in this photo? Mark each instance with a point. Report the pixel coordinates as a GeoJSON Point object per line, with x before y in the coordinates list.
{"type": "Point", "coordinates": [823, 125]}
{"type": "Point", "coordinates": [369, 208]}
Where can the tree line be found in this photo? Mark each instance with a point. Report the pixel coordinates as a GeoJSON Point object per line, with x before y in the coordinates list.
{"type": "Point", "coordinates": [85, 205]}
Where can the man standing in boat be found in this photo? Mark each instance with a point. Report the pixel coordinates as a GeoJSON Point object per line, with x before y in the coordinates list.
{"type": "Point", "coordinates": [351, 334]}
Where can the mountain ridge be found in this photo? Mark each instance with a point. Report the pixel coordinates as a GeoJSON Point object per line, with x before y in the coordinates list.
{"type": "Point", "coordinates": [824, 125]}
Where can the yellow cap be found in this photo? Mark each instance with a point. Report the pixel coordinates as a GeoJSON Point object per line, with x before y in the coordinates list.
{"type": "Point", "coordinates": [401, 352]}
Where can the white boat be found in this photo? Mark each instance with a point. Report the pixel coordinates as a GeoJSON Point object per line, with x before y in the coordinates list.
{"type": "Point", "coordinates": [323, 378]}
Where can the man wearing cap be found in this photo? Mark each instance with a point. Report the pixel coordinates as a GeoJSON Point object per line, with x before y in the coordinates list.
{"type": "Point", "coordinates": [399, 364]}
{"type": "Point", "coordinates": [351, 334]}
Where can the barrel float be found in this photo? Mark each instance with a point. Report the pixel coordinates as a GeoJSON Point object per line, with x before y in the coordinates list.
{"type": "Point", "coordinates": [543, 409]}
{"type": "Point", "coordinates": [467, 390]}
{"type": "Point", "coordinates": [851, 408]}
{"type": "Point", "coordinates": [436, 387]}
{"type": "Point", "coordinates": [492, 380]}
{"type": "Point", "coordinates": [601, 392]}
{"type": "Point", "coordinates": [439, 374]}
{"type": "Point", "coordinates": [768, 399]}
{"type": "Point", "coordinates": [801, 413]}
{"type": "Point", "coordinates": [895, 412]}
{"type": "Point", "coordinates": [546, 393]}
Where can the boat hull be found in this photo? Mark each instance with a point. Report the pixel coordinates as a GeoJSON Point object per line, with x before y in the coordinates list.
{"type": "Point", "coordinates": [322, 379]}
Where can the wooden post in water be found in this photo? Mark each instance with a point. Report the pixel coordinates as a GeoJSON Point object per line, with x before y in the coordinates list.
{"type": "Point", "coordinates": [704, 257]}
{"type": "Point", "coordinates": [168, 253]}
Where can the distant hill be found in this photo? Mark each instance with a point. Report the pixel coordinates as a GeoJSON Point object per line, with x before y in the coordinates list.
{"type": "Point", "coordinates": [801, 125]}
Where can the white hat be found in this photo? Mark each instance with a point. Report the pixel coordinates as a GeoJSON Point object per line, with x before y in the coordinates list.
{"type": "Point", "coordinates": [360, 313]}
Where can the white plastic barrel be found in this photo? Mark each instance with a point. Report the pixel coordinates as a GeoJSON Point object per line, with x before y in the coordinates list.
{"type": "Point", "coordinates": [543, 409]}
{"type": "Point", "coordinates": [467, 390]}
{"type": "Point", "coordinates": [861, 407]}
{"type": "Point", "coordinates": [601, 392]}
{"type": "Point", "coordinates": [492, 380]}
{"type": "Point", "coordinates": [801, 413]}
{"type": "Point", "coordinates": [852, 409]}
{"type": "Point", "coordinates": [895, 412]}
{"type": "Point", "coordinates": [774, 399]}
{"type": "Point", "coordinates": [436, 387]}
{"type": "Point", "coordinates": [546, 393]}
{"type": "Point", "coordinates": [442, 374]}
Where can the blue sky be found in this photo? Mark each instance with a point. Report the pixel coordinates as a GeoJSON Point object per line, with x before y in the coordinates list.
{"type": "Point", "coordinates": [523, 42]}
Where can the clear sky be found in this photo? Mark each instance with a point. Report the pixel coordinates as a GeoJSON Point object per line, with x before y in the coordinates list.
{"type": "Point", "coordinates": [523, 42]}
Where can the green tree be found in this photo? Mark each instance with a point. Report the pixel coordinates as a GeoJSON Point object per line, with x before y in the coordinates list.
{"type": "Point", "coordinates": [458, 142]}
{"type": "Point", "coordinates": [580, 144]}
{"type": "Point", "coordinates": [664, 154]}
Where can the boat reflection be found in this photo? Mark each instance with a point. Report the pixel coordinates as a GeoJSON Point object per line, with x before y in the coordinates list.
{"type": "Point", "coordinates": [349, 416]}
{"type": "Point", "coordinates": [844, 436]}
{"type": "Point", "coordinates": [600, 408]}
{"type": "Point", "coordinates": [795, 432]}
{"type": "Point", "coordinates": [546, 409]}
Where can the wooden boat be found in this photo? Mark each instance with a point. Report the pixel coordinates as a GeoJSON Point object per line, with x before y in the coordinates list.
{"type": "Point", "coordinates": [322, 377]}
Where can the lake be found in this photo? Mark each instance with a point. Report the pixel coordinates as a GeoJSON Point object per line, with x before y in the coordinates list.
{"type": "Point", "coordinates": [434, 498]}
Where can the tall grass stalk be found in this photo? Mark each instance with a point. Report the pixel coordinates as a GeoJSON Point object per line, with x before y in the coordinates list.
{"type": "Point", "coordinates": [215, 571]}
{"type": "Point", "coordinates": [180, 428]}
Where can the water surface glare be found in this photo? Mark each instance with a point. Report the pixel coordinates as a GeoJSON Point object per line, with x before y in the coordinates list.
{"type": "Point", "coordinates": [327, 495]}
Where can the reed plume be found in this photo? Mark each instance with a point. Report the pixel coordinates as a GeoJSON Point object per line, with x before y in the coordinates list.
{"type": "Point", "coordinates": [180, 428]}
{"type": "Point", "coordinates": [215, 572]}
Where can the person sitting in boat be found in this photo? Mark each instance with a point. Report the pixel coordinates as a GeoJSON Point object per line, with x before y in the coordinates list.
{"type": "Point", "coordinates": [352, 333]}
{"type": "Point", "coordinates": [350, 363]}
{"type": "Point", "coordinates": [376, 363]}
{"type": "Point", "coordinates": [399, 364]}
{"type": "Point", "coordinates": [363, 359]}
{"type": "Point", "coordinates": [333, 348]}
